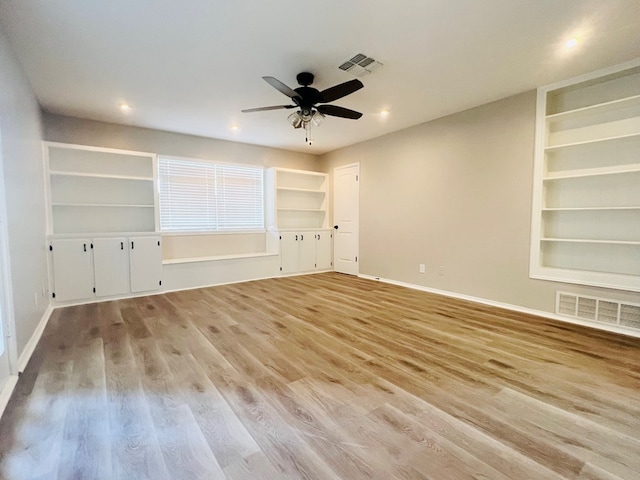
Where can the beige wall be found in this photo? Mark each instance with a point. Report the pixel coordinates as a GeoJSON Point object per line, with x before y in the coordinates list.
{"type": "Point", "coordinates": [58, 128]}
{"type": "Point", "coordinates": [21, 164]}
{"type": "Point", "coordinates": [456, 193]}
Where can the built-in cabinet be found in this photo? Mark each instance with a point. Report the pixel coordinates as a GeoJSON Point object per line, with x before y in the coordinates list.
{"type": "Point", "coordinates": [297, 216]}
{"type": "Point", "coordinates": [305, 251]}
{"type": "Point", "coordinates": [101, 205]}
{"type": "Point", "coordinates": [586, 218]}
{"type": "Point", "coordinates": [84, 268]}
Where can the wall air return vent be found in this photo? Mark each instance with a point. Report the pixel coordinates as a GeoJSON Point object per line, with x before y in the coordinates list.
{"type": "Point", "coordinates": [360, 65]}
{"type": "Point", "coordinates": [601, 310]}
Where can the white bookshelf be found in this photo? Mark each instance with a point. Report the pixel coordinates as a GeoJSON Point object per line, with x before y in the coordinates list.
{"type": "Point", "coordinates": [99, 190]}
{"type": "Point", "coordinates": [296, 199]}
{"type": "Point", "coordinates": [586, 206]}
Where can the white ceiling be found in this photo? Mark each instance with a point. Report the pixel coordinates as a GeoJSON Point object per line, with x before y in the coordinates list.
{"type": "Point", "coordinates": [190, 66]}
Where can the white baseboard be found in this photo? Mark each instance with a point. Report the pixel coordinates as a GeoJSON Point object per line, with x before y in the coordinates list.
{"type": "Point", "coordinates": [7, 390]}
{"type": "Point", "coordinates": [508, 306]}
{"type": "Point", "coordinates": [33, 341]}
{"type": "Point", "coordinates": [28, 350]}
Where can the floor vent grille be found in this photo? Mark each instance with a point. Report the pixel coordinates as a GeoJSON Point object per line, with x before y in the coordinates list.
{"type": "Point", "coordinates": [596, 309]}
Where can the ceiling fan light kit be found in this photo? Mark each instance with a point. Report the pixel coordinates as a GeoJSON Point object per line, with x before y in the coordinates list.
{"type": "Point", "coordinates": [307, 98]}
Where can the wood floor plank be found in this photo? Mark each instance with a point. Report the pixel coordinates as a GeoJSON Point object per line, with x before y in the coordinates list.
{"type": "Point", "coordinates": [318, 377]}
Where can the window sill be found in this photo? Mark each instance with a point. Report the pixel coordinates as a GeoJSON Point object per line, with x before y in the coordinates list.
{"type": "Point", "coordinates": [174, 261]}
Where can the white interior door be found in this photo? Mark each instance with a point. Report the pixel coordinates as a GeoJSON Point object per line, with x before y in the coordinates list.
{"type": "Point", "coordinates": [346, 195]}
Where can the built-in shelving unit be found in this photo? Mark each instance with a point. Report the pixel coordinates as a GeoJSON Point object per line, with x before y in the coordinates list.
{"type": "Point", "coordinates": [586, 218]}
{"type": "Point", "coordinates": [297, 199]}
{"type": "Point", "coordinates": [98, 190]}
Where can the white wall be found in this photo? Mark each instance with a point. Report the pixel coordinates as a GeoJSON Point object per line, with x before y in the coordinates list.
{"type": "Point", "coordinates": [24, 194]}
{"type": "Point", "coordinates": [456, 193]}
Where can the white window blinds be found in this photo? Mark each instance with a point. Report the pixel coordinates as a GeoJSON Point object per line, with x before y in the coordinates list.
{"type": "Point", "coordinates": [203, 196]}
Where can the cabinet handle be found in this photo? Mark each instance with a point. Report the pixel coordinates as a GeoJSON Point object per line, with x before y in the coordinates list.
{"type": "Point", "coordinates": [121, 245]}
{"type": "Point", "coordinates": [296, 238]}
{"type": "Point", "coordinates": [131, 245]}
{"type": "Point", "coordinates": [84, 247]}
{"type": "Point", "coordinates": [318, 237]}
{"type": "Point", "coordinates": [301, 237]}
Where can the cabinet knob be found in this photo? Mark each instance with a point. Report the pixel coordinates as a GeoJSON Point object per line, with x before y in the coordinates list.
{"type": "Point", "coordinates": [335, 226]}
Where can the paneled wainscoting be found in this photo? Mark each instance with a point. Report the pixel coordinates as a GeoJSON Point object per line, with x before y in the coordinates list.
{"type": "Point", "coordinates": [321, 377]}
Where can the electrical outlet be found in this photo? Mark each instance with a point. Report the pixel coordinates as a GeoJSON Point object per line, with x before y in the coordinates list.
{"type": "Point", "coordinates": [441, 270]}
{"type": "Point", "coordinates": [421, 268]}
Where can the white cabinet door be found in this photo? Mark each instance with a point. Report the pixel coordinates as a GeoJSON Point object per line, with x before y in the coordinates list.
{"type": "Point", "coordinates": [145, 258]}
{"type": "Point", "coordinates": [111, 266]}
{"type": "Point", "coordinates": [307, 252]}
{"type": "Point", "coordinates": [289, 252]}
{"type": "Point", "coordinates": [72, 269]}
{"type": "Point", "coordinates": [323, 250]}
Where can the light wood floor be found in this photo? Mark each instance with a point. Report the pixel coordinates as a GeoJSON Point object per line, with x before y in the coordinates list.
{"type": "Point", "coordinates": [321, 377]}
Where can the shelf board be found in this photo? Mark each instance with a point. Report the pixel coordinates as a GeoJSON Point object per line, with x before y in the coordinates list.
{"type": "Point", "coordinates": [592, 172]}
{"type": "Point", "coordinates": [314, 210]}
{"type": "Point", "coordinates": [551, 148]}
{"type": "Point", "coordinates": [126, 205]}
{"type": "Point", "coordinates": [583, 240]}
{"type": "Point", "coordinates": [98, 175]}
{"type": "Point", "coordinates": [587, 209]}
{"type": "Point", "coordinates": [613, 105]}
{"type": "Point", "coordinates": [304, 190]}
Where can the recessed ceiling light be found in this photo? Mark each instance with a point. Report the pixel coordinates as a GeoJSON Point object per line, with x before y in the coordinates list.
{"type": "Point", "coordinates": [234, 128]}
{"type": "Point", "coordinates": [572, 42]}
{"type": "Point", "coordinates": [384, 112]}
{"type": "Point", "coordinates": [125, 107]}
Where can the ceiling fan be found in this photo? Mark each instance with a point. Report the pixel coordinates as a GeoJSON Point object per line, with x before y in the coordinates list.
{"type": "Point", "coordinates": [306, 100]}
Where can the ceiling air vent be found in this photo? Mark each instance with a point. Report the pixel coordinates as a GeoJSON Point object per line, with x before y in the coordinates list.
{"type": "Point", "coordinates": [360, 65]}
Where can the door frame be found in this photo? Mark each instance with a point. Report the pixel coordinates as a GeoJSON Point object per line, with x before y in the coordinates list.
{"type": "Point", "coordinates": [357, 221]}
{"type": "Point", "coordinates": [7, 316]}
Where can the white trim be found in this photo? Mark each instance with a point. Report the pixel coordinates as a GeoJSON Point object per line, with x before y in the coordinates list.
{"type": "Point", "coordinates": [77, 146]}
{"type": "Point", "coordinates": [7, 390]}
{"type": "Point", "coordinates": [507, 306]}
{"type": "Point", "coordinates": [25, 356]}
{"type": "Point", "coordinates": [7, 314]}
{"type": "Point", "coordinates": [29, 348]}
{"type": "Point", "coordinates": [215, 258]}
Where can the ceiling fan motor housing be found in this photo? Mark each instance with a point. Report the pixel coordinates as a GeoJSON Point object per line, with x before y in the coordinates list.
{"type": "Point", "coordinates": [305, 78]}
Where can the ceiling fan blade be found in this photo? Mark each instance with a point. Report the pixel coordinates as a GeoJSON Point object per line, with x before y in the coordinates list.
{"type": "Point", "coordinates": [336, 111]}
{"type": "Point", "coordinates": [262, 109]}
{"type": "Point", "coordinates": [339, 91]}
{"type": "Point", "coordinates": [281, 87]}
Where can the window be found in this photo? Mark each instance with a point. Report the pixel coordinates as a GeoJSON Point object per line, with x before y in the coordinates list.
{"type": "Point", "coordinates": [202, 196]}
